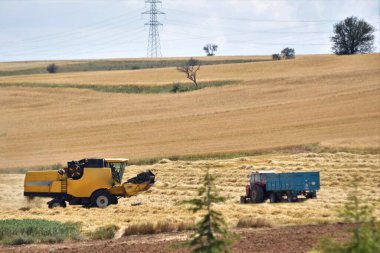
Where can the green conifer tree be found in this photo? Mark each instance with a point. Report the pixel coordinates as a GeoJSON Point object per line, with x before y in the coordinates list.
{"type": "Point", "coordinates": [211, 234]}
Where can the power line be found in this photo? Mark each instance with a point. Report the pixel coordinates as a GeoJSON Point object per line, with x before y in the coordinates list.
{"type": "Point", "coordinates": [258, 20]}
{"type": "Point", "coordinates": [154, 45]}
{"type": "Point", "coordinates": [101, 23]}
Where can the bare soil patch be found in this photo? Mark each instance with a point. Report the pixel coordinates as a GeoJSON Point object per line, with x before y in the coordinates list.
{"type": "Point", "coordinates": [290, 239]}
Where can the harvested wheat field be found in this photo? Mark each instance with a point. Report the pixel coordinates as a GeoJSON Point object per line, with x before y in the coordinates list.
{"type": "Point", "coordinates": [313, 99]}
{"type": "Point", "coordinates": [179, 180]}
{"type": "Point", "coordinates": [304, 68]}
{"type": "Point", "coordinates": [294, 115]}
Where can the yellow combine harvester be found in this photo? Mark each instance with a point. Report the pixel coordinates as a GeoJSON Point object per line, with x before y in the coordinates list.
{"type": "Point", "coordinates": [88, 182]}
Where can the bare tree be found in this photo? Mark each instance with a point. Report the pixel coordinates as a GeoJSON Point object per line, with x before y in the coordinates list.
{"type": "Point", "coordinates": [210, 49]}
{"type": "Point", "coordinates": [190, 69]}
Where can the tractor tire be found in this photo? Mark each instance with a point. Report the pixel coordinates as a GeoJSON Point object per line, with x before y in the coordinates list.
{"type": "Point", "coordinates": [257, 195]}
{"type": "Point", "coordinates": [101, 199]}
{"type": "Point", "coordinates": [56, 203]}
{"type": "Point", "coordinates": [243, 200]}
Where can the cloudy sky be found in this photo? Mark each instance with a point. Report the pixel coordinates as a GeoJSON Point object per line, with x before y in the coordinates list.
{"type": "Point", "coordinates": [92, 29]}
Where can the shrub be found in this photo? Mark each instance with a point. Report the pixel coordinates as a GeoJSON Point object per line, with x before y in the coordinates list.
{"type": "Point", "coordinates": [102, 233]}
{"type": "Point", "coordinates": [52, 68]}
{"type": "Point", "coordinates": [140, 229]}
{"type": "Point", "coordinates": [160, 227]}
{"type": "Point", "coordinates": [250, 222]}
{"type": "Point", "coordinates": [165, 226]}
{"type": "Point", "coordinates": [176, 88]}
{"type": "Point", "coordinates": [24, 231]}
{"type": "Point", "coordinates": [276, 57]}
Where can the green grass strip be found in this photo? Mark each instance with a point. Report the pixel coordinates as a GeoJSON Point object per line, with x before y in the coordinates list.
{"type": "Point", "coordinates": [139, 89]}
{"type": "Point", "coordinates": [26, 231]}
{"type": "Point", "coordinates": [107, 65]}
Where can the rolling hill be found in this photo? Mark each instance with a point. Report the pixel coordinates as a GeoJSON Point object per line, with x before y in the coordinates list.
{"type": "Point", "coordinates": [333, 100]}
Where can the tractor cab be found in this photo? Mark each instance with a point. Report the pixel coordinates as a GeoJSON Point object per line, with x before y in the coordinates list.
{"type": "Point", "coordinates": [259, 177]}
{"type": "Point", "coordinates": [117, 167]}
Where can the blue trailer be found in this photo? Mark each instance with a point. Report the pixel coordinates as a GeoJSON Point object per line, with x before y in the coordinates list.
{"type": "Point", "coordinates": [276, 186]}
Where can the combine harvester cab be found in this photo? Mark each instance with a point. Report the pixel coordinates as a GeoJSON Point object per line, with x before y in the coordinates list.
{"type": "Point", "coordinates": [88, 182]}
{"type": "Point", "coordinates": [275, 186]}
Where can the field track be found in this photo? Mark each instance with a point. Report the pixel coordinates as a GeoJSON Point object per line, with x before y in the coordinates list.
{"type": "Point", "coordinates": [313, 99]}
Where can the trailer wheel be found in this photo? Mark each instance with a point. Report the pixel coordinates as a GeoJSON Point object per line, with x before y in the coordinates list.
{"type": "Point", "coordinates": [56, 203]}
{"type": "Point", "coordinates": [292, 198]}
{"type": "Point", "coordinates": [311, 195]}
{"type": "Point", "coordinates": [101, 199]}
{"type": "Point", "coordinates": [273, 197]}
{"type": "Point", "coordinates": [289, 197]}
{"type": "Point", "coordinates": [257, 195]}
{"type": "Point", "coordinates": [243, 200]}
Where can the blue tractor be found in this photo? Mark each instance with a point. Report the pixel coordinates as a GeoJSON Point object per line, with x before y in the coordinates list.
{"type": "Point", "coordinates": [265, 185]}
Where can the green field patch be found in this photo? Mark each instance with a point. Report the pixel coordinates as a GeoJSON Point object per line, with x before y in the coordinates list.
{"type": "Point", "coordinates": [167, 88]}
{"type": "Point", "coordinates": [26, 231]}
{"type": "Point", "coordinates": [105, 65]}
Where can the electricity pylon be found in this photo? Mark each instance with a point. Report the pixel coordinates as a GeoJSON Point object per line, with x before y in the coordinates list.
{"type": "Point", "coordinates": [154, 46]}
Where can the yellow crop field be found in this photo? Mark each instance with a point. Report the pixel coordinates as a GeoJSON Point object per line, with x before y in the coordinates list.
{"type": "Point", "coordinates": [301, 105]}
{"type": "Point", "coordinates": [314, 99]}
{"type": "Point", "coordinates": [307, 68]}
{"type": "Point", "coordinates": [179, 180]}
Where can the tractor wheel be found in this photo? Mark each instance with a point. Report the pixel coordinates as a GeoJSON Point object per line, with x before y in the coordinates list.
{"type": "Point", "coordinates": [101, 199]}
{"type": "Point", "coordinates": [273, 197]}
{"type": "Point", "coordinates": [56, 203]}
{"type": "Point", "coordinates": [243, 200]}
{"type": "Point", "coordinates": [257, 195]}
